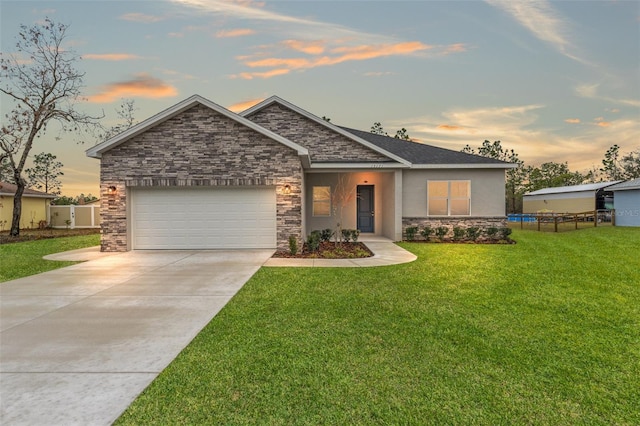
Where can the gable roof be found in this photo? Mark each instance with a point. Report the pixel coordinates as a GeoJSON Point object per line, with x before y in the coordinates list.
{"type": "Point", "coordinates": [572, 188]}
{"type": "Point", "coordinates": [428, 156]}
{"type": "Point", "coordinates": [9, 189]}
{"type": "Point", "coordinates": [99, 149]}
{"type": "Point", "coordinates": [624, 186]}
{"type": "Point", "coordinates": [275, 99]}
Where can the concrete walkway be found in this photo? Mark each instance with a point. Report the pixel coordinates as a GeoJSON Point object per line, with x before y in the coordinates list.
{"type": "Point", "coordinates": [384, 250]}
{"type": "Point", "coordinates": [79, 344]}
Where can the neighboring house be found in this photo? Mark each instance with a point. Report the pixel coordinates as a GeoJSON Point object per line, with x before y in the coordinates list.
{"type": "Point", "coordinates": [200, 176]}
{"type": "Point", "coordinates": [569, 199]}
{"type": "Point", "coordinates": [626, 201]}
{"type": "Point", "coordinates": [35, 207]}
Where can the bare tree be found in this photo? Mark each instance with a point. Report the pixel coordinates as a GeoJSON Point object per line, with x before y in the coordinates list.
{"type": "Point", "coordinates": [126, 119]}
{"type": "Point", "coordinates": [343, 194]}
{"type": "Point", "coordinates": [41, 81]}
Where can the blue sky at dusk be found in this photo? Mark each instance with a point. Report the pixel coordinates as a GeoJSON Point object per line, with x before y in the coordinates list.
{"type": "Point", "coordinates": [555, 81]}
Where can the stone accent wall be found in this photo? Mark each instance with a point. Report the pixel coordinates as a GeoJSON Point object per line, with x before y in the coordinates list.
{"type": "Point", "coordinates": [324, 145]}
{"type": "Point", "coordinates": [199, 147]}
{"type": "Point", "coordinates": [483, 223]}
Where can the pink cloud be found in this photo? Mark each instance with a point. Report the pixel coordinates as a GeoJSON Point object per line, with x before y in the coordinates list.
{"type": "Point", "coordinates": [572, 120]}
{"type": "Point", "coordinates": [266, 74]}
{"type": "Point", "coordinates": [316, 47]}
{"type": "Point", "coordinates": [450, 127]}
{"type": "Point", "coordinates": [238, 32]}
{"type": "Point", "coordinates": [454, 48]}
{"type": "Point", "coordinates": [336, 56]}
{"type": "Point", "coordinates": [143, 86]}
{"type": "Point", "coordinates": [241, 106]}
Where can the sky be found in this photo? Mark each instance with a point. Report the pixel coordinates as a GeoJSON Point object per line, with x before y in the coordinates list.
{"type": "Point", "coordinates": [555, 81]}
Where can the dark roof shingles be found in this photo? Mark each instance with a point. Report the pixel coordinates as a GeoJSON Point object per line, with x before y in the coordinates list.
{"type": "Point", "coordinates": [419, 153]}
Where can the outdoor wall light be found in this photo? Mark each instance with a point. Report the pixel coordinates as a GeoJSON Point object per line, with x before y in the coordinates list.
{"type": "Point", "coordinates": [286, 189]}
{"type": "Point", "coordinates": [111, 190]}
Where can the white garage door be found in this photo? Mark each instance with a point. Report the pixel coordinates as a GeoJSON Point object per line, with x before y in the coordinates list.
{"type": "Point", "coordinates": [203, 218]}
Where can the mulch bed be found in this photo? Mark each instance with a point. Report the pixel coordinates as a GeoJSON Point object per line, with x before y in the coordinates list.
{"type": "Point", "coordinates": [329, 250]}
{"type": "Point", "coordinates": [41, 234]}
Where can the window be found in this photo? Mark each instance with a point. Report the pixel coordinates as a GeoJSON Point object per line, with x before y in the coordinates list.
{"type": "Point", "coordinates": [449, 198]}
{"type": "Point", "coordinates": [322, 201]}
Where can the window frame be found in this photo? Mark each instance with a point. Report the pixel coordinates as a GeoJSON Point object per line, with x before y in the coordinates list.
{"type": "Point", "coordinates": [314, 201]}
{"type": "Point", "coordinates": [449, 197]}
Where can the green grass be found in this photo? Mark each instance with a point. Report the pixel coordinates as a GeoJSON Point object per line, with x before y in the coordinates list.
{"type": "Point", "coordinates": [546, 331]}
{"type": "Point", "coordinates": [24, 259]}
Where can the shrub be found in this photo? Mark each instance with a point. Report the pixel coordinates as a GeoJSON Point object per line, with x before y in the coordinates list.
{"type": "Point", "coordinates": [492, 232]}
{"type": "Point", "coordinates": [350, 235]}
{"type": "Point", "coordinates": [326, 234]}
{"type": "Point", "coordinates": [504, 233]}
{"type": "Point", "coordinates": [473, 232]}
{"type": "Point", "coordinates": [458, 233]}
{"type": "Point", "coordinates": [313, 241]}
{"type": "Point", "coordinates": [411, 232]}
{"type": "Point", "coordinates": [426, 232]}
{"type": "Point", "coordinates": [293, 245]}
{"type": "Point", "coordinates": [441, 231]}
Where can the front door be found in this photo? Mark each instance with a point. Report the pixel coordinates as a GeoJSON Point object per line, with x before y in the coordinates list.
{"type": "Point", "coordinates": [364, 209]}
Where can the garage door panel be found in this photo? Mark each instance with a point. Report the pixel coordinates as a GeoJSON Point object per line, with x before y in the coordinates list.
{"type": "Point", "coordinates": [203, 218]}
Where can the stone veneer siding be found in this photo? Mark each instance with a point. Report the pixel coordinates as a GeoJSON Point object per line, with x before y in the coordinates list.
{"type": "Point", "coordinates": [199, 147]}
{"type": "Point", "coordinates": [324, 145]}
{"type": "Point", "coordinates": [465, 222]}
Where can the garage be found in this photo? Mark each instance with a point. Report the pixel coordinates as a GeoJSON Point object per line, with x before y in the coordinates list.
{"type": "Point", "coordinates": [203, 218]}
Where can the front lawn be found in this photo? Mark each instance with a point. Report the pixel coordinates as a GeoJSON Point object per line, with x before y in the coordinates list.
{"type": "Point", "coordinates": [546, 331]}
{"type": "Point", "coordinates": [25, 258]}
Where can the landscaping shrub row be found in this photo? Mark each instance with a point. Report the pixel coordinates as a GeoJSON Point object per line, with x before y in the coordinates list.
{"type": "Point", "coordinates": [472, 234]}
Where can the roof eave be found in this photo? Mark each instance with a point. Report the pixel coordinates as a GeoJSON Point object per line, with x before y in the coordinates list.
{"type": "Point", "coordinates": [360, 166]}
{"type": "Point", "coordinates": [7, 194]}
{"type": "Point", "coordinates": [625, 188]}
{"type": "Point", "coordinates": [466, 166]}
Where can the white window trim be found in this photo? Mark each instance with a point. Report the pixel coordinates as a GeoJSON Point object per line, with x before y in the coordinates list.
{"type": "Point", "coordinates": [449, 197]}
{"type": "Point", "coordinates": [313, 202]}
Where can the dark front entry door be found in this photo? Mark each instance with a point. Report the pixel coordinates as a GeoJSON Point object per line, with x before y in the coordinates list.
{"type": "Point", "coordinates": [365, 208]}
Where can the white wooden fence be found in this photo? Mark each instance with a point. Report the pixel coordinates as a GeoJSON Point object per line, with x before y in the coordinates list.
{"type": "Point", "coordinates": [75, 216]}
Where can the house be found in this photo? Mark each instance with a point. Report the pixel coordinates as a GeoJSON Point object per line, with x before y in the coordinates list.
{"type": "Point", "coordinates": [198, 176]}
{"type": "Point", "coordinates": [626, 201]}
{"type": "Point", "coordinates": [35, 207]}
{"type": "Point", "coordinates": [569, 199]}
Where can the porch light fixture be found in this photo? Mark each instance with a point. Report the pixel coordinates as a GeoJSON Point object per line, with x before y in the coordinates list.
{"type": "Point", "coordinates": [286, 189]}
{"type": "Point", "coordinates": [111, 190]}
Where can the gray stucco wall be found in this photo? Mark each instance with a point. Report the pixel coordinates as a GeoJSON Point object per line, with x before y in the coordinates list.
{"type": "Point", "coordinates": [383, 195]}
{"type": "Point", "coordinates": [199, 147]}
{"type": "Point", "coordinates": [487, 190]}
{"type": "Point", "coordinates": [627, 205]}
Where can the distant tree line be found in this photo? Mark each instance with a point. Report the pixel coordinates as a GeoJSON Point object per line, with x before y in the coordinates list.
{"type": "Point", "coordinates": [523, 179]}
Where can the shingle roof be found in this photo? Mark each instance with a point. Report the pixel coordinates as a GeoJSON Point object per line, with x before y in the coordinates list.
{"type": "Point", "coordinates": [7, 188]}
{"type": "Point", "coordinates": [419, 153]}
{"type": "Point", "coordinates": [630, 184]}
{"type": "Point", "coordinates": [572, 188]}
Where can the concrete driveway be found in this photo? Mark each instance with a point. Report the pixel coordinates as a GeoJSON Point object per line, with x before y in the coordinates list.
{"type": "Point", "coordinates": [78, 344]}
